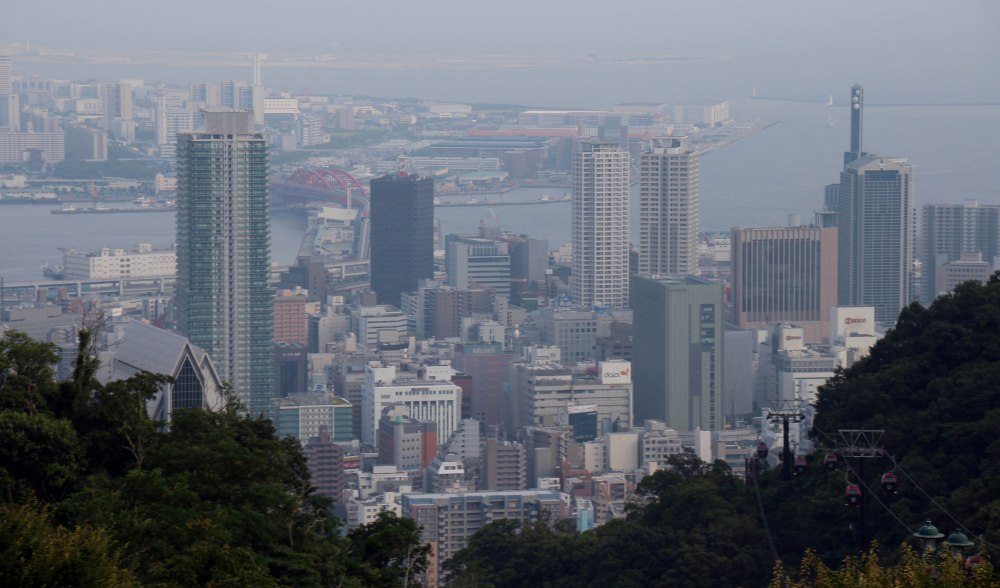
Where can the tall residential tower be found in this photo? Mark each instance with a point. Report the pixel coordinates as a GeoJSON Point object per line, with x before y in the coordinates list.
{"type": "Point", "coordinates": [600, 224]}
{"type": "Point", "coordinates": [669, 197]}
{"type": "Point", "coordinates": [224, 299]}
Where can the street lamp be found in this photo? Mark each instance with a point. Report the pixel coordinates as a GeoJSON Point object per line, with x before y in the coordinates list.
{"type": "Point", "coordinates": [957, 542]}
{"type": "Point", "coordinates": [929, 537]}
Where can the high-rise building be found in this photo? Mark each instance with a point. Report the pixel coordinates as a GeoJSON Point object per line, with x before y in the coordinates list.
{"type": "Point", "coordinates": [224, 299]}
{"type": "Point", "coordinates": [474, 262]}
{"type": "Point", "coordinates": [6, 72]}
{"type": "Point", "coordinates": [669, 195]}
{"type": "Point", "coordinates": [784, 274]}
{"type": "Point", "coordinates": [257, 90]}
{"type": "Point", "coordinates": [600, 224]}
{"type": "Point", "coordinates": [875, 234]}
{"type": "Point", "coordinates": [677, 361]}
{"type": "Point", "coordinates": [951, 230]}
{"type": "Point", "coordinates": [489, 367]}
{"type": "Point", "coordinates": [402, 235]}
{"type": "Point", "coordinates": [117, 102]}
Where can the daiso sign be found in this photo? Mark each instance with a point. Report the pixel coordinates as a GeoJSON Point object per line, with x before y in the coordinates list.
{"type": "Point", "coordinates": [615, 372]}
{"type": "Point", "coordinates": [852, 320]}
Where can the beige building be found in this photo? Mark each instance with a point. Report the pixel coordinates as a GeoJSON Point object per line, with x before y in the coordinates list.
{"type": "Point", "coordinates": [784, 274]}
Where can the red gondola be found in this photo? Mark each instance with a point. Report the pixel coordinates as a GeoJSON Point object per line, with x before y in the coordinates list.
{"type": "Point", "coordinates": [762, 450]}
{"type": "Point", "coordinates": [801, 465]}
{"type": "Point", "coordinates": [890, 483]}
{"type": "Point", "coordinates": [831, 461]}
{"type": "Point", "coordinates": [853, 495]}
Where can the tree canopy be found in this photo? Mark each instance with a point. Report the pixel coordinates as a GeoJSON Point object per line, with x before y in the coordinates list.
{"type": "Point", "coordinates": [101, 495]}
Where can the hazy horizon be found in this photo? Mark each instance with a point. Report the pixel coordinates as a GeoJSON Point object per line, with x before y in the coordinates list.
{"type": "Point", "coordinates": [909, 48]}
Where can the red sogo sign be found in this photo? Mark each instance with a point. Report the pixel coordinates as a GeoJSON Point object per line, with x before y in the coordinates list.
{"type": "Point", "coordinates": [854, 321]}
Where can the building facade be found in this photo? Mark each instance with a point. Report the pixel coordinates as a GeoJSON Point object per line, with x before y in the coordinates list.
{"type": "Point", "coordinates": [474, 262]}
{"type": "Point", "coordinates": [141, 262]}
{"type": "Point", "coordinates": [402, 235]}
{"type": "Point", "coordinates": [669, 200]}
{"type": "Point", "coordinates": [600, 225]}
{"type": "Point", "coordinates": [875, 234]}
{"type": "Point", "coordinates": [951, 230]}
{"type": "Point", "coordinates": [784, 274]}
{"type": "Point", "coordinates": [224, 298]}
{"type": "Point", "coordinates": [678, 363]}
{"type": "Point", "coordinates": [447, 521]}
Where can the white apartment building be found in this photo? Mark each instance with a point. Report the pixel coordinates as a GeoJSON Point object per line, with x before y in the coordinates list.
{"type": "Point", "coordinates": [141, 262]}
{"type": "Point", "coordinates": [600, 224]}
{"type": "Point", "coordinates": [669, 197]}
{"type": "Point", "coordinates": [428, 395]}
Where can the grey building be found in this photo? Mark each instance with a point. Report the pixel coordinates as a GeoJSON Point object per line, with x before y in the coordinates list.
{"type": "Point", "coordinates": [474, 262]}
{"type": "Point", "coordinates": [678, 357]}
{"type": "Point", "coordinates": [402, 235]}
{"type": "Point", "coordinates": [950, 230]}
{"type": "Point", "coordinates": [669, 199]}
{"type": "Point", "coordinates": [575, 331]}
{"type": "Point", "coordinates": [447, 521]}
{"type": "Point", "coordinates": [875, 235]}
{"type": "Point", "coordinates": [504, 465]}
{"type": "Point", "coordinates": [224, 298]}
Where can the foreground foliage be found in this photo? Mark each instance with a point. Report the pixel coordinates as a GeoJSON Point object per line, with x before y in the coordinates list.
{"type": "Point", "coordinates": [94, 493]}
{"type": "Point", "coordinates": [912, 571]}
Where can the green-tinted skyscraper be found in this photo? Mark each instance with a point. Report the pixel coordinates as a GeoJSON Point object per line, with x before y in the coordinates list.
{"type": "Point", "coordinates": [677, 361]}
{"type": "Point", "coordinates": [224, 299]}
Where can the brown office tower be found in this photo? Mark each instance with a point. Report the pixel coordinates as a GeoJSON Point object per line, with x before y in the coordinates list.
{"type": "Point", "coordinates": [785, 274]}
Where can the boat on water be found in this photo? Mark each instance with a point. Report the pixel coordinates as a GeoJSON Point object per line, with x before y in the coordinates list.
{"type": "Point", "coordinates": [545, 198]}
{"type": "Point", "coordinates": [567, 196]}
{"type": "Point", "coordinates": [472, 201]}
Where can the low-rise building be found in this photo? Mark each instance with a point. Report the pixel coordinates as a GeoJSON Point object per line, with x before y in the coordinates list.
{"type": "Point", "coordinates": [141, 262]}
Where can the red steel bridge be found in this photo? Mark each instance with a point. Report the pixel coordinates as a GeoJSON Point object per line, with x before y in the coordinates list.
{"type": "Point", "coordinates": [306, 185]}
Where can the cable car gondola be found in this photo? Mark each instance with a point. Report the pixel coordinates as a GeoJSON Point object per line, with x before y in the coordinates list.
{"type": "Point", "coordinates": [762, 450]}
{"type": "Point", "coordinates": [801, 465]}
{"type": "Point", "coordinates": [831, 461]}
{"type": "Point", "coordinates": [853, 495]}
{"type": "Point", "coordinates": [890, 483]}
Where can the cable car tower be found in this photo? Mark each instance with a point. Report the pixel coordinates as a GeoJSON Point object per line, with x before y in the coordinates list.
{"type": "Point", "coordinates": [788, 411]}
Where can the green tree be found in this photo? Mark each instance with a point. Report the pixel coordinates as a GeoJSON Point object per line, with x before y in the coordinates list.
{"type": "Point", "coordinates": [34, 551]}
{"type": "Point", "coordinates": [387, 552]}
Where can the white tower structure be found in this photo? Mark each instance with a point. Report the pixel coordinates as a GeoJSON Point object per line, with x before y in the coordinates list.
{"type": "Point", "coordinates": [601, 224]}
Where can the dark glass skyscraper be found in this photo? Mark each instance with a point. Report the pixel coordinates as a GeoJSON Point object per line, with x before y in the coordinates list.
{"type": "Point", "coordinates": [224, 299]}
{"type": "Point", "coordinates": [402, 233]}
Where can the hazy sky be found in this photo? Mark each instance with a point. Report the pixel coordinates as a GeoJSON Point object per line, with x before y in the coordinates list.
{"type": "Point", "coordinates": [884, 29]}
{"type": "Point", "coordinates": [905, 51]}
